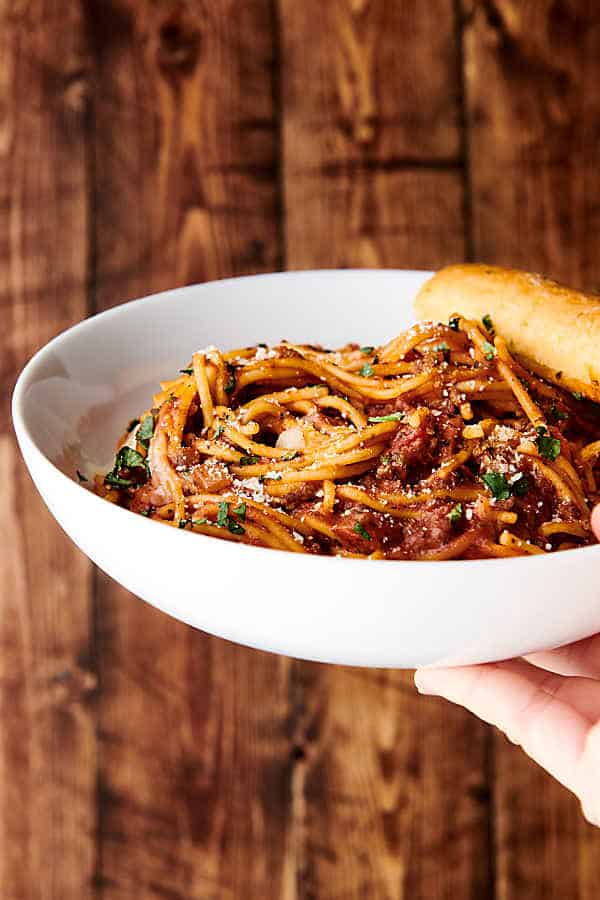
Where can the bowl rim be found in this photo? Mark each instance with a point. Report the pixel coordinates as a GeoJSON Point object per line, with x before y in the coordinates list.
{"type": "Point", "coordinates": [26, 440]}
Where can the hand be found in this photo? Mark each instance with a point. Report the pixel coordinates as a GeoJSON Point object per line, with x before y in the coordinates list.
{"type": "Point", "coordinates": [548, 703]}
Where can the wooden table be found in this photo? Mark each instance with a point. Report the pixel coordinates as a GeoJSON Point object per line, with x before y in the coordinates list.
{"type": "Point", "coordinates": [149, 144]}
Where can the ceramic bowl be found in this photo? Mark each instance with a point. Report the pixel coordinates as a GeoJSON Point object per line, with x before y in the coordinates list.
{"type": "Point", "coordinates": [74, 396]}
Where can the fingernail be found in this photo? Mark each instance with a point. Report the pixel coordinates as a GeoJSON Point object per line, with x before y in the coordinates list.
{"type": "Point", "coordinates": [424, 683]}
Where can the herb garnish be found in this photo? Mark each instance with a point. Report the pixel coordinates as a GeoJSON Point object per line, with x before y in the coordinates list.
{"type": "Point", "coordinates": [146, 430]}
{"type": "Point", "coordinates": [548, 446]}
{"type": "Point", "coordinates": [219, 430]}
{"type": "Point", "coordinates": [291, 454]}
{"type": "Point", "coordinates": [519, 485]}
{"type": "Point", "coordinates": [126, 458]}
{"type": "Point", "coordinates": [455, 514]}
{"type": "Point", "coordinates": [248, 460]}
{"type": "Point", "coordinates": [367, 350]}
{"type": "Point", "coordinates": [182, 523]}
{"type": "Point", "coordinates": [392, 417]}
{"type": "Point", "coordinates": [200, 522]}
{"type": "Point", "coordinates": [441, 347]}
{"type": "Point", "coordinates": [187, 371]}
{"type": "Point", "coordinates": [578, 395]}
{"type": "Point", "coordinates": [556, 414]}
{"type": "Point", "coordinates": [489, 351]}
{"type": "Point", "coordinates": [224, 520]}
{"type": "Point", "coordinates": [487, 323]}
{"type": "Point", "coordinates": [235, 527]}
{"type": "Point", "coordinates": [223, 514]}
{"type": "Point", "coordinates": [240, 510]}
{"type": "Point", "coordinates": [273, 476]}
{"type": "Point", "coordinates": [497, 484]}
{"type": "Point", "coordinates": [360, 529]}
{"type": "Point", "coordinates": [81, 476]}
{"type": "Point", "coordinates": [366, 371]}
{"type": "Point", "coordinates": [230, 385]}
{"type": "Point", "coordinates": [453, 323]}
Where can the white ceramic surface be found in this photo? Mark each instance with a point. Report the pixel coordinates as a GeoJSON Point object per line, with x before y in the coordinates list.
{"type": "Point", "coordinates": [70, 405]}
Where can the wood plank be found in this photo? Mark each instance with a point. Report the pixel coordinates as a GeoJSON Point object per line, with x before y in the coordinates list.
{"type": "Point", "coordinates": [194, 744]}
{"type": "Point", "coordinates": [532, 107]}
{"type": "Point", "coordinates": [368, 88]}
{"type": "Point", "coordinates": [47, 670]}
{"type": "Point", "coordinates": [387, 803]}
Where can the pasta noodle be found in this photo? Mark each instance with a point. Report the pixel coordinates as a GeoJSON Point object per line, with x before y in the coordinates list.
{"type": "Point", "coordinates": [438, 445]}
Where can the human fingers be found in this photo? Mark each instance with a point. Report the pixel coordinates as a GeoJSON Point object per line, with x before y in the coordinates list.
{"type": "Point", "coordinates": [580, 658]}
{"type": "Point", "coordinates": [535, 709]}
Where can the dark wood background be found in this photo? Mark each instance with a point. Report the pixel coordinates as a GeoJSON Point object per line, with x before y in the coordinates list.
{"type": "Point", "coordinates": [150, 143]}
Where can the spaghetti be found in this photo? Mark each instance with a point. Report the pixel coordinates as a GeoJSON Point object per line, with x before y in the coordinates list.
{"type": "Point", "coordinates": [435, 446]}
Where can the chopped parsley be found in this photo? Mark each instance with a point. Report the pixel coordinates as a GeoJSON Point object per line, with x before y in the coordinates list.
{"type": "Point", "coordinates": [81, 476]}
{"type": "Point", "coordinates": [441, 347]}
{"type": "Point", "coordinates": [367, 350]}
{"type": "Point", "coordinates": [366, 371]}
{"type": "Point", "coordinates": [225, 521]}
{"type": "Point", "coordinates": [187, 371]}
{"type": "Point", "coordinates": [200, 522]}
{"type": "Point", "coordinates": [144, 512]}
{"type": "Point", "coordinates": [487, 323]}
{"type": "Point", "coordinates": [132, 425]}
{"type": "Point", "coordinates": [360, 529]}
{"type": "Point", "coordinates": [455, 514]}
{"type": "Point", "coordinates": [578, 395]}
{"type": "Point", "coordinates": [262, 344]}
{"type": "Point", "coordinates": [183, 523]}
{"type": "Point", "coordinates": [519, 485]}
{"type": "Point", "coordinates": [454, 322]}
{"type": "Point", "coordinates": [240, 510]}
{"type": "Point", "coordinates": [556, 414]}
{"type": "Point", "coordinates": [235, 527]}
{"type": "Point", "coordinates": [223, 514]}
{"type": "Point", "coordinates": [219, 430]}
{"type": "Point", "coordinates": [273, 476]}
{"type": "Point", "coordinates": [146, 431]}
{"type": "Point", "coordinates": [385, 459]}
{"type": "Point", "coordinates": [116, 481]}
{"type": "Point", "coordinates": [126, 458]}
{"type": "Point", "coordinates": [392, 417]}
{"type": "Point", "coordinates": [548, 446]}
{"type": "Point", "coordinates": [248, 460]}
{"type": "Point", "coordinates": [497, 484]}
{"type": "Point", "coordinates": [230, 385]}
{"type": "Point", "coordinates": [291, 454]}
{"type": "Point", "coordinates": [489, 351]}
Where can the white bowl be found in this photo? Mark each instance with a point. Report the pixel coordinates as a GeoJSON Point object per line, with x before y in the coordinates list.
{"type": "Point", "coordinates": [70, 405]}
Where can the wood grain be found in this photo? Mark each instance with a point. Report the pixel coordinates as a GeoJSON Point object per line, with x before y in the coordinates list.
{"type": "Point", "coordinates": [150, 143]}
{"type": "Point", "coordinates": [194, 731]}
{"type": "Point", "coordinates": [47, 670]}
{"type": "Point", "coordinates": [532, 112]}
{"type": "Point", "coordinates": [357, 112]}
{"type": "Point", "coordinates": [381, 791]}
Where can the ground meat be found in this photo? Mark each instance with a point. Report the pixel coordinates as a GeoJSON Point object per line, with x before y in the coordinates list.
{"type": "Point", "coordinates": [381, 530]}
{"type": "Point", "coordinates": [211, 477]}
{"type": "Point", "coordinates": [416, 450]}
{"type": "Point", "coordinates": [432, 530]}
{"type": "Point", "coordinates": [184, 457]}
{"type": "Point", "coordinates": [300, 494]}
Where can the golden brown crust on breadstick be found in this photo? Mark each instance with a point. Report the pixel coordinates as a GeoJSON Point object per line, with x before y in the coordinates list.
{"type": "Point", "coordinates": [553, 330]}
